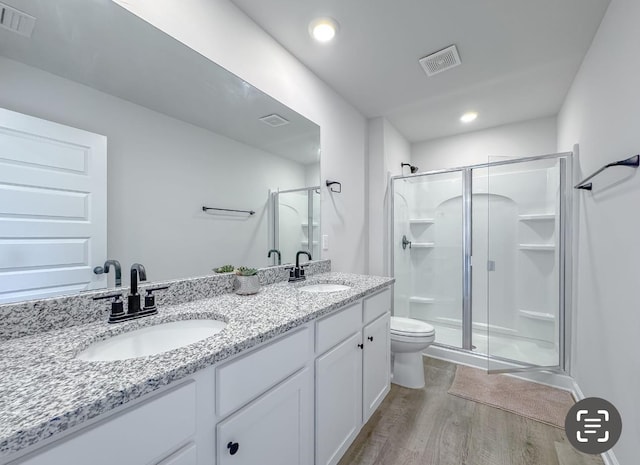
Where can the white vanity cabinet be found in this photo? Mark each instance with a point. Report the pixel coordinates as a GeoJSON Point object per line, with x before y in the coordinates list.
{"type": "Point", "coordinates": [185, 456]}
{"type": "Point", "coordinates": [353, 376]}
{"type": "Point", "coordinates": [299, 399]}
{"type": "Point", "coordinates": [376, 365]}
{"type": "Point", "coordinates": [273, 389]}
{"type": "Point", "coordinates": [338, 399]}
{"type": "Point", "coordinates": [148, 433]}
{"type": "Point", "coordinates": [276, 428]}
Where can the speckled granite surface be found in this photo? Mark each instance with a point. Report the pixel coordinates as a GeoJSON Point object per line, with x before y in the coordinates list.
{"type": "Point", "coordinates": [44, 390]}
{"type": "Point", "coordinates": [36, 316]}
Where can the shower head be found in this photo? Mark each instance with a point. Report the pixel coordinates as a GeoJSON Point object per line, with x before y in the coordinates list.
{"type": "Point", "coordinates": [414, 169]}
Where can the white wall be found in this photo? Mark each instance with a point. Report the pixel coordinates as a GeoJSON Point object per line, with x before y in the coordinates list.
{"type": "Point", "coordinates": [312, 174]}
{"type": "Point", "coordinates": [387, 149]}
{"type": "Point", "coordinates": [527, 138]}
{"type": "Point", "coordinates": [160, 173]}
{"type": "Point", "coordinates": [601, 114]}
{"type": "Point", "coordinates": [220, 31]}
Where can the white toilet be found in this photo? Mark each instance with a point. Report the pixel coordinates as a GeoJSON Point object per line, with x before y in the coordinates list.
{"type": "Point", "coordinates": [409, 338]}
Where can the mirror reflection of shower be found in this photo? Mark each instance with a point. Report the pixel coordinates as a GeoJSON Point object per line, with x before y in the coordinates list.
{"type": "Point", "coordinates": [512, 236]}
{"type": "Point", "coordinates": [295, 222]}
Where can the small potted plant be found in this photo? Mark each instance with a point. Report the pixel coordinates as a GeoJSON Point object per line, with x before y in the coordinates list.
{"type": "Point", "coordinates": [246, 281]}
{"type": "Point", "coordinates": [224, 269]}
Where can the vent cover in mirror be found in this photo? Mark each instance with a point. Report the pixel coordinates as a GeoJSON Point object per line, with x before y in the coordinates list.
{"type": "Point", "coordinates": [16, 20]}
{"type": "Point", "coordinates": [274, 120]}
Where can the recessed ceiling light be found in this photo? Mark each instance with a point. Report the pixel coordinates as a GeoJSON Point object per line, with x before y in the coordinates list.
{"type": "Point", "coordinates": [323, 29]}
{"type": "Point", "coordinates": [468, 117]}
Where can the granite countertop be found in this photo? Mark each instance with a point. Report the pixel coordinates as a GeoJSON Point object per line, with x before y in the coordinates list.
{"type": "Point", "coordinates": [44, 390]}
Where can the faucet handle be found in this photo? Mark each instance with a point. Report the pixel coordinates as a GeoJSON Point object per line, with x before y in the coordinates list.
{"type": "Point", "coordinates": [111, 295]}
{"type": "Point", "coordinates": [150, 299]}
{"type": "Point", "coordinates": [117, 306]}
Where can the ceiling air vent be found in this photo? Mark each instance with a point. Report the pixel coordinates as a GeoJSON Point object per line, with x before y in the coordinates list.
{"type": "Point", "coordinates": [16, 20]}
{"type": "Point", "coordinates": [440, 61]}
{"type": "Point", "coordinates": [274, 120]}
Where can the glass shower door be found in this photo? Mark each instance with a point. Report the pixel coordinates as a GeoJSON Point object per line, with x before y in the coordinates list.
{"type": "Point", "coordinates": [524, 205]}
{"type": "Point", "coordinates": [296, 223]}
{"type": "Point", "coordinates": [428, 252]}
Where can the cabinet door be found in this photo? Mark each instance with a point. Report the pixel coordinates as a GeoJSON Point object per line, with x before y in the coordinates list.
{"type": "Point", "coordinates": [185, 456]}
{"type": "Point", "coordinates": [376, 365]}
{"type": "Point", "coordinates": [338, 399]}
{"type": "Point", "coordinates": [276, 428]}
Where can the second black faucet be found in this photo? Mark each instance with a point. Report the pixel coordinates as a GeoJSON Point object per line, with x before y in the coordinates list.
{"type": "Point", "coordinates": [137, 271]}
{"type": "Point", "coordinates": [297, 272]}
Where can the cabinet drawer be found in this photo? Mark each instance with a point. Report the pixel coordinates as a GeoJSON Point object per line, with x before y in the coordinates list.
{"type": "Point", "coordinates": [245, 378]}
{"type": "Point", "coordinates": [377, 305]}
{"type": "Point", "coordinates": [337, 327]}
{"type": "Point", "coordinates": [141, 435]}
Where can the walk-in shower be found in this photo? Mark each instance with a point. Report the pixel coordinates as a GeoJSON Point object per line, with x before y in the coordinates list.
{"type": "Point", "coordinates": [479, 253]}
{"type": "Point", "coordinates": [295, 222]}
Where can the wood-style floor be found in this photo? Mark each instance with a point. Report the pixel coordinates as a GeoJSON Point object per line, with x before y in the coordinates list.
{"type": "Point", "coordinates": [430, 427]}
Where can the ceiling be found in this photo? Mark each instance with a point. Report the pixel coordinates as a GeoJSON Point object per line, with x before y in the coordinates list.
{"type": "Point", "coordinates": [519, 57]}
{"type": "Point", "coordinates": [75, 39]}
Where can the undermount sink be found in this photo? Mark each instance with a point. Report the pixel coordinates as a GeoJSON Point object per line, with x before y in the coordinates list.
{"type": "Point", "coordinates": [325, 287]}
{"type": "Point", "coordinates": [151, 340]}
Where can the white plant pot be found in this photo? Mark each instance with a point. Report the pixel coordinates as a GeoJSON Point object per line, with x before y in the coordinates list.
{"type": "Point", "coordinates": [245, 285]}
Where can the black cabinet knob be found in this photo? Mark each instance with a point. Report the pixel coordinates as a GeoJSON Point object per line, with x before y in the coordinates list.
{"type": "Point", "coordinates": [233, 447]}
{"type": "Point", "coordinates": [361, 346]}
{"type": "Point", "coordinates": [370, 338]}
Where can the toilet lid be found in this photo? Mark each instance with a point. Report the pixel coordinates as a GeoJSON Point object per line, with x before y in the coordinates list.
{"type": "Point", "coordinates": [410, 327]}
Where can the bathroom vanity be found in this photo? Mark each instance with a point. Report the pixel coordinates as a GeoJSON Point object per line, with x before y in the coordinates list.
{"type": "Point", "coordinates": [290, 380]}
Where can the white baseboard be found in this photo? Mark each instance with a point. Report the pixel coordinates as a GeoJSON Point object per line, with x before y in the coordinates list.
{"type": "Point", "coordinates": [609, 458]}
{"type": "Point", "coordinates": [557, 380]}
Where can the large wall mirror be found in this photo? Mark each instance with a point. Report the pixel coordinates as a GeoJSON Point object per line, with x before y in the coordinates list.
{"type": "Point", "coordinates": [179, 132]}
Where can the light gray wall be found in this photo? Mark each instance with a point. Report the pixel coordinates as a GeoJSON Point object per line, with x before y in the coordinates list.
{"type": "Point", "coordinates": [220, 31]}
{"type": "Point", "coordinates": [312, 174]}
{"type": "Point", "coordinates": [601, 115]}
{"type": "Point", "coordinates": [161, 171]}
{"type": "Point", "coordinates": [527, 138]}
{"type": "Point", "coordinates": [387, 149]}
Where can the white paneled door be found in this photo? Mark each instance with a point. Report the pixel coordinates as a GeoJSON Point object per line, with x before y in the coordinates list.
{"type": "Point", "coordinates": [53, 208]}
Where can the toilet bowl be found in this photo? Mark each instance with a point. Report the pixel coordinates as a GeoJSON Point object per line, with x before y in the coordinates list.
{"type": "Point", "coordinates": [409, 338]}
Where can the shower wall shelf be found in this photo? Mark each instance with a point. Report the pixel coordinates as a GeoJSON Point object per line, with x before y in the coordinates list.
{"type": "Point", "coordinates": [421, 221]}
{"type": "Point", "coordinates": [307, 242]}
{"type": "Point", "coordinates": [537, 315]}
{"type": "Point", "coordinates": [423, 245]}
{"type": "Point", "coordinates": [538, 247]}
{"type": "Point", "coordinates": [306, 225]}
{"type": "Point", "coordinates": [538, 217]}
{"type": "Point", "coordinates": [421, 300]}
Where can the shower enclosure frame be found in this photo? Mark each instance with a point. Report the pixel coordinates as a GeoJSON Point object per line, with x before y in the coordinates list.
{"type": "Point", "coordinates": [564, 265]}
{"type": "Point", "coordinates": [274, 217]}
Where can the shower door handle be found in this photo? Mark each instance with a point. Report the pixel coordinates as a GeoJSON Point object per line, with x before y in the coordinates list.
{"type": "Point", "coordinates": [491, 265]}
{"type": "Point", "coordinates": [405, 242]}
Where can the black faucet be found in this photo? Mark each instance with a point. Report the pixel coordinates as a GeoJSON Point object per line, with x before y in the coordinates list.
{"type": "Point", "coordinates": [133, 310]}
{"type": "Point", "coordinates": [296, 273]}
{"type": "Point", "coordinates": [134, 298]}
{"type": "Point", "coordinates": [117, 269]}
{"type": "Point", "coordinates": [277, 252]}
